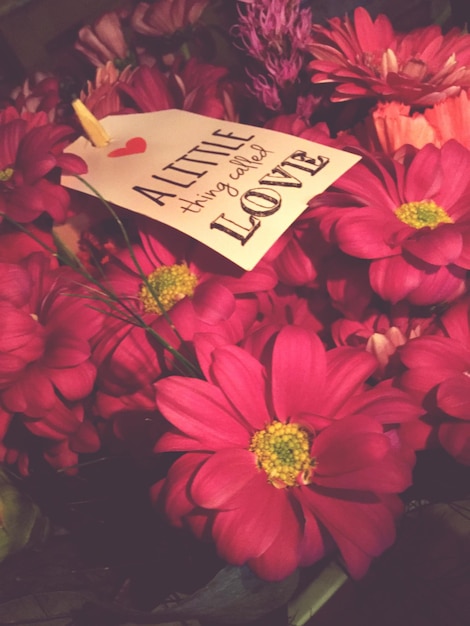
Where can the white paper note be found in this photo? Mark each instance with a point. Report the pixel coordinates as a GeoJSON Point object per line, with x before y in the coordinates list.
{"type": "Point", "coordinates": [234, 187]}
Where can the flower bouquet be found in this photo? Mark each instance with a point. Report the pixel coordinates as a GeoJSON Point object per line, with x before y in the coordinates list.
{"type": "Point", "coordinates": [269, 417]}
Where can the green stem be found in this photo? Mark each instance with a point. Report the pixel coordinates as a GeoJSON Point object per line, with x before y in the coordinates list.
{"type": "Point", "coordinates": [111, 299]}
{"type": "Point", "coordinates": [132, 255]}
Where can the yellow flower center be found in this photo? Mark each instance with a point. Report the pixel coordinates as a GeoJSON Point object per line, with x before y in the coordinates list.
{"type": "Point", "coordinates": [283, 452]}
{"type": "Point", "coordinates": [422, 214]}
{"type": "Point", "coordinates": [6, 174]}
{"type": "Point", "coordinates": [169, 284]}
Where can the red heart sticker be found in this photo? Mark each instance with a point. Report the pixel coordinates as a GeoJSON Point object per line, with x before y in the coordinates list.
{"type": "Point", "coordinates": [136, 145]}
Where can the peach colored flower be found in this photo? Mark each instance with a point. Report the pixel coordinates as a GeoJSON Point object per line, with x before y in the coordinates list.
{"type": "Point", "coordinates": [393, 125]}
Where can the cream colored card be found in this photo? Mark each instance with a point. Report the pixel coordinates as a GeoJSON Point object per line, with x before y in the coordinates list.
{"type": "Point", "coordinates": [234, 187]}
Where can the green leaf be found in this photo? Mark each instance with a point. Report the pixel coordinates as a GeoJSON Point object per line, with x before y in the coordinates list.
{"type": "Point", "coordinates": [21, 521]}
{"type": "Point", "coordinates": [43, 609]}
{"type": "Point", "coordinates": [234, 596]}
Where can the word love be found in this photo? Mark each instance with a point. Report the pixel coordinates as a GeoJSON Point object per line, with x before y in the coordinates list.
{"type": "Point", "coordinates": [258, 202]}
{"type": "Point", "coordinates": [265, 201]}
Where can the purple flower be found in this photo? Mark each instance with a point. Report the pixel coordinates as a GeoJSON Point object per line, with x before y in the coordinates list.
{"type": "Point", "coordinates": [274, 33]}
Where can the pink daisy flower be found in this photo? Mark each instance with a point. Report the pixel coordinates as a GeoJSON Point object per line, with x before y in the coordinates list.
{"type": "Point", "coordinates": [16, 245]}
{"type": "Point", "coordinates": [411, 218]}
{"type": "Point", "coordinates": [366, 58]}
{"type": "Point", "coordinates": [438, 375]}
{"type": "Point", "coordinates": [198, 289]}
{"type": "Point", "coordinates": [45, 367]}
{"type": "Point", "coordinates": [278, 465]}
{"type": "Point", "coordinates": [30, 149]}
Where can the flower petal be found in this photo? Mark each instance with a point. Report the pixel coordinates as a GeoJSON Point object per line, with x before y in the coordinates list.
{"type": "Point", "coordinates": [174, 493]}
{"type": "Point", "coordinates": [222, 476]}
{"type": "Point", "coordinates": [440, 246]}
{"type": "Point", "coordinates": [348, 369]}
{"type": "Point", "coordinates": [248, 531]}
{"type": "Point", "coordinates": [298, 372]}
{"type": "Point", "coordinates": [242, 378]}
{"type": "Point", "coordinates": [361, 528]}
{"type": "Point", "coordinates": [213, 302]}
{"type": "Point", "coordinates": [349, 444]}
{"type": "Point", "coordinates": [455, 438]}
{"type": "Point", "coordinates": [394, 278]}
{"type": "Point", "coordinates": [283, 556]}
{"type": "Point", "coordinates": [453, 396]}
{"type": "Point", "coordinates": [200, 410]}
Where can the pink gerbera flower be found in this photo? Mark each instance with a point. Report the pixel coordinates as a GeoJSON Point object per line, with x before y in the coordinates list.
{"type": "Point", "coordinates": [367, 58]}
{"type": "Point", "coordinates": [410, 218]}
{"type": "Point", "coordinates": [30, 149]}
{"type": "Point", "coordinates": [277, 465]}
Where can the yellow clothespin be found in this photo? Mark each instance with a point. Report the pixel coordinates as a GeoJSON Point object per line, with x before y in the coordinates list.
{"type": "Point", "coordinates": [93, 129]}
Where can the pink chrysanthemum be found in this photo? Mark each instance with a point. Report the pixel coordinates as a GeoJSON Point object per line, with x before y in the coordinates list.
{"type": "Point", "coordinates": [410, 218]}
{"type": "Point", "coordinates": [277, 465]}
{"type": "Point", "coordinates": [438, 375]}
{"type": "Point", "coordinates": [197, 87]}
{"type": "Point", "coordinates": [367, 58]}
{"type": "Point", "coordinates": [190, 292]}
{"type": "Point", "coordinates": [283, 305]}
{"type": "Point", "coordinates": [30, 149]}
{"type": "Point", "coordinates": [45, 367]}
